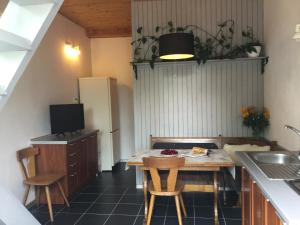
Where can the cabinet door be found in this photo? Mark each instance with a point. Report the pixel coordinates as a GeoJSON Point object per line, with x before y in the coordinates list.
{"type": "Point", "coordinates": [271, 217]}
{"type": "Point", "coordinates": [258, 205]}
{"type": "Point", "coordinates": [246, 197]}
{"type": "Point", "coordinates": [92, 156]}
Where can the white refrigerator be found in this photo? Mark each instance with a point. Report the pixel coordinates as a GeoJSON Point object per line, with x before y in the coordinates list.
{"type": "Point", "coordinates": [100, 101]}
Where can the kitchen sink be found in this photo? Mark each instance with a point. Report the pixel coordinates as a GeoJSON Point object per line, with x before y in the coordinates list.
{"type": "Point", "coordinates": [277, 165]}
{"type": "Point", "coordinates": [275, 158]}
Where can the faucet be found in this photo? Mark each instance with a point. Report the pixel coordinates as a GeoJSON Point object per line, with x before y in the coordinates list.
{"type": "Point", "coordinates": [288, 127]}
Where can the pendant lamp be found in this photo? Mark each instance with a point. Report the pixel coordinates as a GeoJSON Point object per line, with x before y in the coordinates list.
{"type": "Point", "coordinates": [175, 46]}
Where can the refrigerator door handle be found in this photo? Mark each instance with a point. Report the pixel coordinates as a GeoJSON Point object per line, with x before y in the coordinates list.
{"type": "Point", "coordinates": [114, 131]}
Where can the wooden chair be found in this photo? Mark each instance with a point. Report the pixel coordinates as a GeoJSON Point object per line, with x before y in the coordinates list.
{"type": "Point", "coordinates": [31, 179]}
{"type": "Point", "coordinates": [168, 187]}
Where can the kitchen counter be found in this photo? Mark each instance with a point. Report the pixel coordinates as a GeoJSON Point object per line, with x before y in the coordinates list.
{"type": "Point", "coordinates": [284, 199]}
{"type": "Point", "coordinates": [62, 139]}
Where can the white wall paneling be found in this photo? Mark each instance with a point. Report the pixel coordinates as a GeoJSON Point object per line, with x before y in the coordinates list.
{"type": "Point", "coordinates": [188, 100]}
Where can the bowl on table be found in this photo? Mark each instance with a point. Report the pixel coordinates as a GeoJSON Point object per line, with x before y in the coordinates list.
{"type": "Point", "coordinates": [169, 152]}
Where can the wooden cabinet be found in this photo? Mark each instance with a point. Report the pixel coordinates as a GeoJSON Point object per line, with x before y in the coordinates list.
{"type": "Point", "coordinates": [258, 205]}
{"type": "Point", "coordinates": [271, 216]}
{"type": "Point", "coordinates": [72, 164]}
{"type": "Point", "coordinates": [78, 160]}
{"type": "Point", "coordinates": [92, 156]}
{"type": "Point", "coordinates": [246, 197]}
{"type": "Point", "coordinates": [256, 209]}
{"type": "Point", "coordinates": [83, 151]}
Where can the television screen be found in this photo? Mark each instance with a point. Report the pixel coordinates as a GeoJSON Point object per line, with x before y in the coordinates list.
{"type": "Point", "coordinates": [66, 118]}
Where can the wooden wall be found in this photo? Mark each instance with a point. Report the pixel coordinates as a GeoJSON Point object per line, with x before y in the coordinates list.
{"type": "Point", "coordinates": [188, 100]}
{"type": "Point", "coordinates": [204, 13]}
{"type": "Point", "coordinates": [183, 98]}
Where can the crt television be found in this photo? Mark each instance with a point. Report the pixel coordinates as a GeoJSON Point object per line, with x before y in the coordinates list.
{"type": "Point", "coordinates": [66, 118]}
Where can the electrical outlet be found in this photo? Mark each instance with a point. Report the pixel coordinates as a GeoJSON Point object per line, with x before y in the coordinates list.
{"type": "Point", "coordinates": [75, 100]}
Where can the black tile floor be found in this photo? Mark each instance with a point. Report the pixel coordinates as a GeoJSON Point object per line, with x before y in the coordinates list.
{"type": "Point", "coordinates": [112, 199]}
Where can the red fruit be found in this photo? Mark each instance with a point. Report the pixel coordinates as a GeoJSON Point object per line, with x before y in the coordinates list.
{"type": "Point", "coordinates": [169, 152]}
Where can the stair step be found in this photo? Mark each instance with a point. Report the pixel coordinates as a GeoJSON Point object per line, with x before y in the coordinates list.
{"type": "Point", "coordinates": [13, 42]}
{"type": "Point", "coordinates": [32, 2]}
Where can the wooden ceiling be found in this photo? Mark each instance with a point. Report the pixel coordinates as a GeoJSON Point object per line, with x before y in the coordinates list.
{"type": "Point", "coordinates": [100, 18]}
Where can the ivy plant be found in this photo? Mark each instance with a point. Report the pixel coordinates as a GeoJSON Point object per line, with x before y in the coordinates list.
{"type": "Point", "coordinates": [213, 46]}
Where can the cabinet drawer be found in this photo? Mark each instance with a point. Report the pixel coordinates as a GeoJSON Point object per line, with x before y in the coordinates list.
{"type": "Point", "coordinates": [72, 157]}
{"type": "Point", "coordinates": [72, 182]}
{"type": "Point", "coordinates": [72, 147]}
{"type": "Point", "coordinates": [72, 167]}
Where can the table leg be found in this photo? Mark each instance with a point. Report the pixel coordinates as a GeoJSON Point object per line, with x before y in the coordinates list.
{"type": "Point", "coordinates": [224, 186]}
{"type": "Point", "coordinates": [145, 183]}
{"type": "Point", "coordinates": [216, 190]}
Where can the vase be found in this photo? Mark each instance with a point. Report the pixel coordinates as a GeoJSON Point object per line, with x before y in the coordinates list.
{"type": "Point", "coordinates": [257, 133]}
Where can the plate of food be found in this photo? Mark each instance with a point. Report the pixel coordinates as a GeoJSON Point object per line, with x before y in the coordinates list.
{"type": "Point", "coordinates": [169, 152]}
{"type": "Point", "coordinates": [197, 152]}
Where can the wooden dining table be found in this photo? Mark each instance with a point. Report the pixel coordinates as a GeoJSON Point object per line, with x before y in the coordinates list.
{"type": "Point", "coordinates": [213, 162]}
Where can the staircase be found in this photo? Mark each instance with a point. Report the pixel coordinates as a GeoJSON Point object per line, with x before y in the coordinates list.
{"type": "Point", "coordinates": [23, 25]}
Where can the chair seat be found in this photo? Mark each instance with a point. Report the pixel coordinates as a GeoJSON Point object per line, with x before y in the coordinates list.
{"type": "Point", "coordinates": [43, 180]}
{"type": "Point", "coordinates": [164, 192]}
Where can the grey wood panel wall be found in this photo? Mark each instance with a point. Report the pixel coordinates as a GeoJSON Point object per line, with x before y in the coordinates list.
{"type": "Point", "coordinates": [204, 13]}
{"type": "Point", "coordinates": [188, 100]}
{"type": "Point", "coordinates": [185, 99]}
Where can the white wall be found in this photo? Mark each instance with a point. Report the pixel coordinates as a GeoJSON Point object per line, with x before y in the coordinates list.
{"type": "Point", "coordinates": [50, 78]}
{"type": "Point", "coordinates": [111, 57]}
{"type": "Point", "coordinates": [282, 77]}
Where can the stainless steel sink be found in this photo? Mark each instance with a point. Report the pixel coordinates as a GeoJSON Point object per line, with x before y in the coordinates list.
{"type": "Point", "coordinates": [279, 165]}
{"type": "Point", "coordinates": [275, 158]}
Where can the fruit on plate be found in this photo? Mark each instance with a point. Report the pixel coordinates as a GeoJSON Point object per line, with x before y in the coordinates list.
{"type": "Point", "coordinates": [169, 152]}
{"type": "Point", "coordinates": [199, 150]}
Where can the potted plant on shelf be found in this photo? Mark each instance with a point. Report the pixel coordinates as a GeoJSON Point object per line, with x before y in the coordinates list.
{"type": "Point", "coordinates": [258, 121]}
{"type": "Point", "coordinates": [252, 47]}
{"type": "Point", "coordinates": [214, 46]}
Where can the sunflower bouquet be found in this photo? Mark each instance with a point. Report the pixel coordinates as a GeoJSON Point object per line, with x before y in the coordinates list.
{"type": "Point", "coordinates": [258, 121]}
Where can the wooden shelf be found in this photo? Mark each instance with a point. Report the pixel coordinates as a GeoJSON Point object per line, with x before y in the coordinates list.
{"type": "Point", "coordinates": [264, 61]}
{"type": "Point", "coordinates": [194, 61]}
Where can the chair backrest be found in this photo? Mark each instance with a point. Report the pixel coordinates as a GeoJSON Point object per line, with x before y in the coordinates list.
{"type": "Point", "coordinates": [154, 164]}
{"type": "Point", "coordinates": [28, 154]}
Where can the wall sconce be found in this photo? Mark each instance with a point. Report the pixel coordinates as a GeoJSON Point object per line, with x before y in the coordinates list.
{"type": "Point", "coordinates": [72, 50]}
{"type": "Point", "coordinates": [297, 33]}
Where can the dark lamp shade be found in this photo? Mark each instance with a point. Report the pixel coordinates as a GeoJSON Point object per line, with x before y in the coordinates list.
{"type": "Point", "coordinates": [176, 46]}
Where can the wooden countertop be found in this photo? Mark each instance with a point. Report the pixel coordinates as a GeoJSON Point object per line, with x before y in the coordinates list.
{"type": "Point", "coordinates": [52, 139]}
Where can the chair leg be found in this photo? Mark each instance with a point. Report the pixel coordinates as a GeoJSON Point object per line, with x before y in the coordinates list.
{"type": "Point", "coordinates": [182, 205]}
{"type": "Point", "coordinates": [151, 206]}
{"type": "Point", "coordinates": [178, 209]}
{"type": "Point", "coordinates": [27, 188]}
{"type": "Point", "coordinates": [49, 202]}
{"type": "Point", "coordinates": [63, 194]}
{"type": "Point", "coordinates": [37, 195]}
